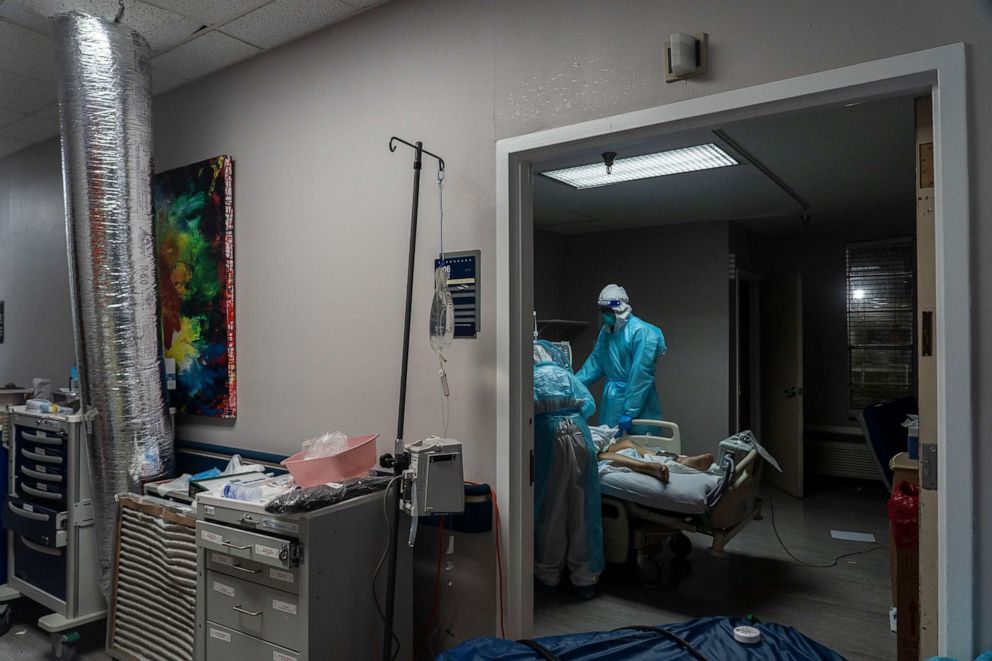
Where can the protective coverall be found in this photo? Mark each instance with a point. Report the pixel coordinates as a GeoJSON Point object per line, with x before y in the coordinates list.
{"type": "Point", "coordinates": [568, 528]}
{"type": "Point", "coordinates": [625, 355]}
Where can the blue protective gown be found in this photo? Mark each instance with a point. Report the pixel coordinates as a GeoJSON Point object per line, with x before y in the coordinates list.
{"type": "Point", "coordinates": [568, 528]}
{"type": "Point", "coordinates": [626, 357]}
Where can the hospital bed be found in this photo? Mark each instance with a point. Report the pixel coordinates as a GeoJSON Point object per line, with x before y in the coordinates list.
{"type": "Point", "coordinates": [640, 513]}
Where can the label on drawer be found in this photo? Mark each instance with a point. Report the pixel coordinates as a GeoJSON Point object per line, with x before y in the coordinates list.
{"type": "Point", "coordinates": [212, 537]}
{"type": "Point", "coordinates": [41, 469]}
{"type": "Point", "coordinates": [41, 486]}
{"type": "Point", "coordinates": [267, 551]}
{"type": "Point", "coordinates": [220, 635]}
{"type": "Point", "coordinates": [279, 656]}
{"type": "Point", "coordinates": [281, 575]}
{"type": "Point", "coordinates": [222, 559]}
{"type": "Point", "coordinates": [209, 510]}
{"type": "Point", "coordinates": [28, 507]}
{"type": "Point", "coordinates": [223, 589]}
{"type": "Point", "coordinates": [283, 526]}
{"type": "Point", "coordinates": [284, 606]}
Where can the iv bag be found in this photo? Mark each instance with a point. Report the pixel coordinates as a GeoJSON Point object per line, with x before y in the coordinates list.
{"type": "Point", "coordinates": [442, 313]}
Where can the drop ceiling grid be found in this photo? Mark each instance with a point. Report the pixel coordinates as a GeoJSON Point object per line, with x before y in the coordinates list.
{"type": "Point", "coordinates": [189, 39]}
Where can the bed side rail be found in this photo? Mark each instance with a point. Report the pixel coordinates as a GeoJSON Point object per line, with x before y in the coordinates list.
{"type": "Point", "coordinates": [669, 441]}
{"type": "Point", "coordinates": [741, 495]}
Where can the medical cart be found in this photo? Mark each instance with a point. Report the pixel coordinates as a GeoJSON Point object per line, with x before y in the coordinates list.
{"type": "Point", "coordinates": [52, 549]}
{"type": "Point", "coordinates": [295, 587]}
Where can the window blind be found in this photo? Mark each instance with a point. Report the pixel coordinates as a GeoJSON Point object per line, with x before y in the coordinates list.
{"type": "Point", "coordinates": [881, 312]}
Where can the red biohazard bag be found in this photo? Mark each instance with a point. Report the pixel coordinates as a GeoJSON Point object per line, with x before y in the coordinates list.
{"type": "Point", "coordinates": [904, 514]}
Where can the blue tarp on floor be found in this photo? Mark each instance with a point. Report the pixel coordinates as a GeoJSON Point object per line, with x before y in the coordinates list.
{"type": "Point", "coordinates": [708, 638]}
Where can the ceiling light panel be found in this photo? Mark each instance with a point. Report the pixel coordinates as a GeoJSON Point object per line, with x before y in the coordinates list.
{"type": "Point", "coordinates": [675, 161]}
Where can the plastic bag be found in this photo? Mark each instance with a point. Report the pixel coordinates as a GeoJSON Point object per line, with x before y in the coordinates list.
{"type": "Point", "coordinates": [311, 498]}
{"type": "Point", "coordinates": [326, 445]}
{"type": "Point", "coordinates": [442, 317]}
{"type": "Point", "coordinates": [904, 514]}
{"type": "Point", "coordinates": [237, 465]}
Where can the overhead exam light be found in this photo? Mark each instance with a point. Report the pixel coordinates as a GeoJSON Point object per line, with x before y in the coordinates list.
{"type": "Point", "coordinates": [675, 161]}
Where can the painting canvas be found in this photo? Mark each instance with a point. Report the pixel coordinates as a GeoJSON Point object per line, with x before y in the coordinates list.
{"type": "Point", "coordinates": [194, 232]}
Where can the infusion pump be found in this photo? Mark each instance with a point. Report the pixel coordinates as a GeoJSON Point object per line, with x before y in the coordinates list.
{"type": "Point", "coordinates": [435, 478]}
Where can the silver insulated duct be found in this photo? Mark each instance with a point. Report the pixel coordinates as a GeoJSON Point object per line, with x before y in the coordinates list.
{"type": "Point", "coordinates": [105, 110]}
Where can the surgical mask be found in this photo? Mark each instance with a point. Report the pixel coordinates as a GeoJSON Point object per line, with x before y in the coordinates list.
{"type": "Point", "coordinates": [609, 317]}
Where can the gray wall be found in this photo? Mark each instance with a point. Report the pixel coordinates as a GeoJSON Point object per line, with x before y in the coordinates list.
{"type": "Point", "coordinates": [676, 277]}
{"type": "Point", "coordinates": [317, 191]}
{"type": "Point", "coordinates": [552, 255]}
{"type": "Point", "coordinates": [34, 269]}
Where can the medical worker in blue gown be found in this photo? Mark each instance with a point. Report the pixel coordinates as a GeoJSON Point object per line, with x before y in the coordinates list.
{"type": "Point", "coordinates": [625, 355]}
{"type": "Point", "coordinates": [568, 530]}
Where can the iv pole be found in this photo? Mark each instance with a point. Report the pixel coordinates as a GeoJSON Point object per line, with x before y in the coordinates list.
{"type": "Point", "coordinates": [399, 461]}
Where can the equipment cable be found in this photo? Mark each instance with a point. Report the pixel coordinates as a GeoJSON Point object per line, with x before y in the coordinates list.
{"type": "Point", "coordinates": [378, 567]}
{"type": "Point", "coordinates": [871, 546]}
{"type": "Point", "coordinates": [499, 557]}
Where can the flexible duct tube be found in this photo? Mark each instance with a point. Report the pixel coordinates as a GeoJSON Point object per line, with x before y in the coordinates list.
{"type": "Point", "coordinates": [105, 110]}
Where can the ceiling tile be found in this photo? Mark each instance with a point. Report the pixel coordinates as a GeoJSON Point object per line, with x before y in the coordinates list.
{"type": "Point", "coordinates": [163, 81]}
{"type": "Point", "coordinates": [25, 94]}
{"type": "Point", "coordinates": [26, 52]}
{"type": "Point", "coordinates": [285, 20]}
{"type": "Point", "coordinates": [207, 53]}
{"type": "Point", "coordinates": [9, 117]}
{"type": "Point", "coordinates": [364, 4]}
{"type": "Point", "coordinates": [21, 13]}
{"type": "Point", "coordinates": [50, 112]}
{"type": "Point", "coordinates": [10, 145]}
{"type": "Point", "coordinates": [209, 12]}
{"type": "Point", "coordinates": [31, 129]}
{"type": "Point", "coordinates": [163, 29]}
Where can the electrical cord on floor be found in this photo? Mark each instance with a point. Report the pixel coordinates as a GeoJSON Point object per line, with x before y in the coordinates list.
{"type": "Point", "coordinates": [871, 546]}
{"type": "Point", "coordinates": [378, 567]}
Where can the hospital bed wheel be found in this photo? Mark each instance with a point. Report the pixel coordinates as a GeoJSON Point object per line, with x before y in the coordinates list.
{"type": "Point", "coordinates": [648, 570]}
{"type": "Point", "coordinates": [6, 618]}
{"type": "Point", "coordinates": [681, 545]}
{"type": "Point", "coordinates": [63, 648]}
{"type": "Point", "coordinates": [679, 569]}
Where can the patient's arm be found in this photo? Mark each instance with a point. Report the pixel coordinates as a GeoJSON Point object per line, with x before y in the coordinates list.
{"type": "Point", "coordinates": [651, 468]}
{"type": "Point", "coordinates": [699, 462]}
{"type": "Point", "coordinates": [627, 444]}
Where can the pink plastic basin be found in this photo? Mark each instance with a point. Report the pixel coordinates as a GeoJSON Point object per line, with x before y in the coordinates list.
{"type": "Point", "coordinates": [354, 462]}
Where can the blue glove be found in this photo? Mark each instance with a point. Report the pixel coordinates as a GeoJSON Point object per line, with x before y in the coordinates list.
{"type": "Point", "coordinates": [626, 423]}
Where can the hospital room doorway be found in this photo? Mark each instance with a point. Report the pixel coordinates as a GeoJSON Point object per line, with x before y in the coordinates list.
{"type": "Point", "coordinates": [749, 270]}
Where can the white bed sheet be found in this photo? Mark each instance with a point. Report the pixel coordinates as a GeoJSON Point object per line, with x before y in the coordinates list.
{"type": "Point", "coordinates": [685, 492]}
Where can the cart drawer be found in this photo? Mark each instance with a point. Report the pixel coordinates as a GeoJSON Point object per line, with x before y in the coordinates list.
{"type": "Point", "coordinates": [41, 473]}
{"type": "Point", "coordinates": [46, 456]}
{"type": "Point", "coordinates": [264, 549]}
{"type": "Point", "coordinates": [32, 422]}
{"type": "Point", "coordinates": [46, 494]}
{"type": "Point", "coordinates": [42, 524]}
{"type": "Point", "coordinates": [287, 580]}
{"type": "Point", "coordinates": [225, 644]}
{"type": "Point", "coordinates": [40, 437]}
{"type": "Point", "coordinates": [40, 565]}
{"type": "Point", "coordinates": [254, 609]}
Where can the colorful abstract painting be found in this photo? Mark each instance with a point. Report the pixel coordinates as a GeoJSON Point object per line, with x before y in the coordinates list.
{"type": "Point", "coordinates": [194, 231]}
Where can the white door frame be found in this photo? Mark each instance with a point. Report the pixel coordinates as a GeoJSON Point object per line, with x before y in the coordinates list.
{"type": "Point", "coordinates": [939, 70]}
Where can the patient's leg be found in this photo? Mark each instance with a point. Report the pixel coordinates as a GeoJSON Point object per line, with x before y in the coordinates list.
{"type": "Point", "coordinates": [699, 462]}
{"type": "Point", "coordinates": [651, 468]}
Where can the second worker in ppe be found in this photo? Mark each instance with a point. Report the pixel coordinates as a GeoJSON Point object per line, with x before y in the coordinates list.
{"type": "Point", "coordinates": [625, 355]}
{"type": "Point", "coordinates": [568, 530]}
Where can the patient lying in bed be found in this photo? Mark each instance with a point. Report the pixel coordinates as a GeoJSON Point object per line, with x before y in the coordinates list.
{"type": "Point", "coordinates": [624, 453]}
